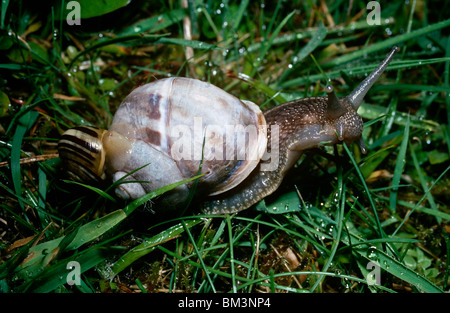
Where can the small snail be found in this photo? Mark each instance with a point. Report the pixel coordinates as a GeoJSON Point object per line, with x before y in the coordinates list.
{"type": "Point", "coordinates": [171, 129]}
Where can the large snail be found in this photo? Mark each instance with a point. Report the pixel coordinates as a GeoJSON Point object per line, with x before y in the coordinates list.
{"type": "Point", "coordinates": [172, 128]}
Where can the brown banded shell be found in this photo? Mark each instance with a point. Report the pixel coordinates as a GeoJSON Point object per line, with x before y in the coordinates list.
{"type": "Point", "coordinates": [184, 122]}
{"type": "Point", "coordinates": [82, 153]}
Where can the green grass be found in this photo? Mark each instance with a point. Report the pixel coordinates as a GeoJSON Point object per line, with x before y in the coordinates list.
{"type": "Point", "coordinates": [341, 222]}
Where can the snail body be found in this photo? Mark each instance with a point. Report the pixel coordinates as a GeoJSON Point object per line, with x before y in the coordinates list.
{"type": "Point", "coordinates": [175, 128]}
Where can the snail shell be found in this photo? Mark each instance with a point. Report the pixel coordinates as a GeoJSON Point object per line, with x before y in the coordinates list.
{"type": "Point", "coordinates": [171, 128]}
{"type": "Point", "coordinates": [175, 128]}
{"type": "Point", "coordinates": [81, 149]}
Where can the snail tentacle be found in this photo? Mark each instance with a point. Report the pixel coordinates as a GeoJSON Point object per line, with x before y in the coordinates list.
{"type": "Point", "coordinates": [357, 95]}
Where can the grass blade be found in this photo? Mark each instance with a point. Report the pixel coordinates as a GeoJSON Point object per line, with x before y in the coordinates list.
{"type": "Point", "coordinates": [387, 44]}
{"type": "Point", "coordinates": [94, 189]}
{"type": "Point", "coordinates": [366, 188]}
{"type": "Point", "coordinates": [188, 43]}
{"type": "Point", "coordinates": [33, 264]}
{"type": "Point", "coordinates": [422, 180]}
{"type": "Point", "coordinates": [88, 232]}
{"type": "Point", "coordinates": [267, 44]}
{"type": "Point", "coordinates": [315, 41]}
{"type": "Point", "coordinates": [148, 246]}
{"type": "Point", "coordinates": [197, 252]}
{"type": "Point", "coordinates": [24, 123]}
{"type": "Point", "coordinates": [58, 274]}
{"type": "Point", "coordinates": [399, 270]}
{"type": "Point", "coordinates": [231, 244]}
{"type": "Point", "coordinates": [110, 41]}
{"type": "Point", "coordinates": [421, 200]}
{"type": "Point", "coordinates": [238, 17]}
{"type": "Point", "coordinates": [5, 4]}
{"type": "Point", "coordinates": [399, 166]}
{"type": "Point", "coordinates": [155, 23]}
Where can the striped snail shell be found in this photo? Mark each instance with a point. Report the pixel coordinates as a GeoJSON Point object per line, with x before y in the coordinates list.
{"type": "Point", "coordinates": [169, 130]}
{"type": "Point", "coordinates": [81, 149]}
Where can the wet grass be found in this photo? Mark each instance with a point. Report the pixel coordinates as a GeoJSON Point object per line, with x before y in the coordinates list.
{"type": "Point", "coordinates": [341, 222]}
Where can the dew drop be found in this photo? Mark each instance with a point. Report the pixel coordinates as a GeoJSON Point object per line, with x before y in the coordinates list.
{"type": "Point", "coordinates": [372, 253]}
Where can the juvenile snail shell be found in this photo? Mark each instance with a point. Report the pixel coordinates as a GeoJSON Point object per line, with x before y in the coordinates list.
{"type": "Point", "coordinates": [172, 128]}
{"type": "Point", "coordinates": [81, 148]}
